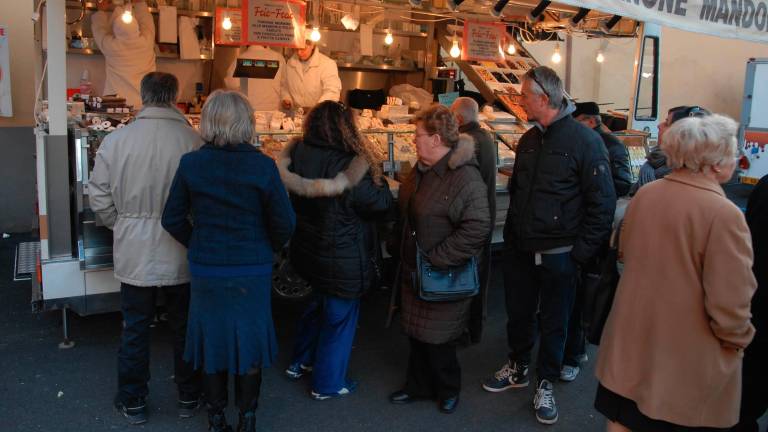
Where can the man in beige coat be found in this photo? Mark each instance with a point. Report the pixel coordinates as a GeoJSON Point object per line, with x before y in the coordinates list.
{"type": "Point", "coordinates": [672, 348]}
{"type": "Point", "coordinates": [133, 172]}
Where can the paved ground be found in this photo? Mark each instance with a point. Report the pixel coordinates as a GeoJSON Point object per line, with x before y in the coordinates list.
{"type": "Point", "coordinates": [43, 388]}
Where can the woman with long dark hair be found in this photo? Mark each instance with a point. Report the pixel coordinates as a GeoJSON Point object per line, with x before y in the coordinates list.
{"type": "Point", "coordinates": [336, 188]}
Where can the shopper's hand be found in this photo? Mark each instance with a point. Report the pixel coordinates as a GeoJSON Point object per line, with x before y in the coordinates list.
{"type": "Point", "coordinates": [287, 104]}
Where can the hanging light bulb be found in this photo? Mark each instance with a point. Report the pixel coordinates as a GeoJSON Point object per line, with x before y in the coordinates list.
{"type": "Point", "coordinates": [455, 51]}
{"type": "Point", "coordinates": [315, 35]}
{"type": "Point", "coordinates": [600, 57]}
{"type": "Point", "coordinates": [388, 39]}
{"type": "Point", "coordinates": [511, 48]}
{"type": "Point", "coordinates": [226, 24]}
{"type": "Point", "coordinates": [127, 15]}
{"type": "Point", "coordinates": [556, 57]}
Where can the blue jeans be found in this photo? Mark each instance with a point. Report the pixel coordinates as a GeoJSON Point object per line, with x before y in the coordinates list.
{"type": "Point", "coordinates": [326, 332]}
{"type": "Point", "coordinates": [545, 291]}
{"type": "Point", "coordinates": [138, 307]}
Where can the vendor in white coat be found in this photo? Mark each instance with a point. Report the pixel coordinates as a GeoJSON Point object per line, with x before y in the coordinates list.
{"type": "Point", "coordinates": [128, 48]}
{"type": "Point", "coordinates": [310, 78]}
{"type": "Point", "coordinates": [263, 93]}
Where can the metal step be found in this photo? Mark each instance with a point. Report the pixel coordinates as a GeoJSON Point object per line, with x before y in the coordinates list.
{"type": "Point", "coordinates": [26, 259]}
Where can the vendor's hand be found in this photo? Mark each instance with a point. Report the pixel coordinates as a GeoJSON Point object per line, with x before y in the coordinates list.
{"type": "Point", "coordinates": [287, 104]}
{"type": "Point", "coordinates": [103, 5]}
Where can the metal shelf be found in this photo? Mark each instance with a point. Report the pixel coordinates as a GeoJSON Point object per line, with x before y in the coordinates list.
{"type": "Point", "coordinates": [96, 51]}
{"type": "Point", "coordinates": [375, 31]}
{"type": "Point", "coordinates": [92, 7]}
{"type": "Point", "coordinates": [384, 67]}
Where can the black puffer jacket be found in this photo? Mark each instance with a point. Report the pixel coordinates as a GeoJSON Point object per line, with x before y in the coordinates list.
{"type": "Point", "coordinates": [335, 200]}
{"type": "Point", "coordinates": [618, 155]}
{"type": "Point", "coordinates": [561, 191]}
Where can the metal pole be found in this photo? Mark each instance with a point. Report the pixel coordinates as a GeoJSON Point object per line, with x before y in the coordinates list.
{"type": "Point", "coordinates": [66, 343]}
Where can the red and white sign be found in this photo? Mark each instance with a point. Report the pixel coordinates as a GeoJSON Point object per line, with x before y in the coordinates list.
{"type": "Point", "coordinates": [483, 41]}
{"type": "Point", "coordinates": [274, 22]}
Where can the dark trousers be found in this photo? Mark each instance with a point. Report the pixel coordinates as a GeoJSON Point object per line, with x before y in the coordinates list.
{"type": "Point", "coordinates": [576, 342]}
{"type": "Point", "coordinates": [433, 371]}
{"type": "Point", "coordinates": [754, 392]}
{"type": "Point", "coordinates": [324, 341]}
{"type": "Point", "coordinates": [549, 289]}
{"type": "Point", "coordinates": [247, 389]}
{"type": "Point", "coordinates": [138, 307]}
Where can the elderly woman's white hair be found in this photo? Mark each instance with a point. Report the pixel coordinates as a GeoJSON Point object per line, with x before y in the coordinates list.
{"type": "Point", "coordinates": [227, 118]}
{"type": "Point", "coordinates": [699, 142]}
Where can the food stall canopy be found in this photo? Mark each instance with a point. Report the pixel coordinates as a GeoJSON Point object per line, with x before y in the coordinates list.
{"type": "Point", "coordinates": [737, 19]}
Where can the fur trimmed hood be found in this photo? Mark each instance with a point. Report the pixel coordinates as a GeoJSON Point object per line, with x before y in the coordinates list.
{"type": "Point", "coordinates": [463, 153]}
{"type": "Point", "coordinates": [320, 188]}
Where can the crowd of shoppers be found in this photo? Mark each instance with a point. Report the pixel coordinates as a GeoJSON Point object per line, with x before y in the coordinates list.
{"type": "Point", "coordinates": [201, 217]}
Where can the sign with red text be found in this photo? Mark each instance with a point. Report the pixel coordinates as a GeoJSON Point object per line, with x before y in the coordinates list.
{"type": "Point", "coordinates": [233, 35]}
{"type": "Point", "coordinates": [275, 22]}
{"type": "Point", "coordinates": [483, 41]}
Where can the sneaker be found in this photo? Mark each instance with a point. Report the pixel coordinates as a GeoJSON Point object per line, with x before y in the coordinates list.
{"type": "Point", "coordinates": [297, 370]}
{"type": "Point", "coordinates": [544, 403]}
{"type": "Point", "coordinates": [188, 405]}
{"type": "Point", "coordinates": [134, 409]}
{"type": "Point", "coordinates": [569, 373]}
{"type": "Point", "coordinates": [511, 375]}
{"type": "Point", "coordinates": [349, 388]}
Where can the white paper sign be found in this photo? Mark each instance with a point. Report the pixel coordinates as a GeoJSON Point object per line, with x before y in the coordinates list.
{"type": "Point", "coordinates": [366, 39]}
{"type": "Point", "coordinates": [6, 105]}
{"type": "Point", "coordinates": [737, 19]}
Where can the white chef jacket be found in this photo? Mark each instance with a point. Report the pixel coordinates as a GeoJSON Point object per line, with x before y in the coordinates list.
{"type": "Point", "coordinates": [127, 60]}
{"type": "Point", "coordinates": [311, 82]}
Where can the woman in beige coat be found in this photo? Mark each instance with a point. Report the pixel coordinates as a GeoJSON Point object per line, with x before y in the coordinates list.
{"type": "Point", "coordinates": [671, 354]}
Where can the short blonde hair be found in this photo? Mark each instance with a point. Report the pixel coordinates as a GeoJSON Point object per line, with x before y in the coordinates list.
{"type": "Point", "coordinates": [438, 119]}
{"type": "Point", "coordinates": [699, 142]}
{"type": "Point", "coordinates": [227, 118]}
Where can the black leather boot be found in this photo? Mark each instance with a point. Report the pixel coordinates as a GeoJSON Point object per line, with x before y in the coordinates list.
{"type": "Point", "coordinates": [247, 422]}
{"type": "Point", "coordinates": [217, 422]}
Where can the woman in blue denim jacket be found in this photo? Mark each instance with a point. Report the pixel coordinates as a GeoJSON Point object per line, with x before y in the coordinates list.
{"type": "Point", "coordinates": [229, 207]}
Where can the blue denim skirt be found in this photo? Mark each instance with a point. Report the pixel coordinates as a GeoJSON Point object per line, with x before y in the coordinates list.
{"type": "Point", "coordinates": [230, 324]}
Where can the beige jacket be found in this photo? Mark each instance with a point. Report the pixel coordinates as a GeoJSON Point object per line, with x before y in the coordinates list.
{"type": "Point", "coordinates": [133, 172]}
{"type": "Point", "coordinates": [680, 321]}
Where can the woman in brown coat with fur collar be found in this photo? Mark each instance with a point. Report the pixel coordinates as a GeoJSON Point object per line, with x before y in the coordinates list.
{"type": "Point", "coordinates": [444, 207]}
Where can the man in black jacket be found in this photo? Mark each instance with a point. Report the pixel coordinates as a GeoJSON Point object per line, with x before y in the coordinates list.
{"type": "Point", "coordinates": [588, 114]}
{"type": "Point", "coordinates": [466, 112]}
{"type": "Point", "coordinates": [561, 205]}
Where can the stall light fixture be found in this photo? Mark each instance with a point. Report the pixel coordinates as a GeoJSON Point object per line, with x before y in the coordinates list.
{"type": "Point", "coordinates": [556, 57]}
{"type": "Point", "coordinates": [127, 15]}
{"type": "Point", "coordinates": [511, 49]}
{"type": "Point", "coordinates": [454, 4]}
{"type": "Point", "coordinates": [611, 23]}
{"type": "Point", "coordinates": [388, 39]}
{"type": "Point", "coordinates": [226, 23]}
{"type": "Point", "coordinates": [580, 15]}
{"type": "Point", "coordinates": [315, 35]}
{"type": "Point", "coordinates": [455, 51]}
{"type": "Point", "coordinates": [538, 10]}
{"type": "Point", "coordinates": [600, 57]}
{"type": "Point", "coordinates": [499, 7]}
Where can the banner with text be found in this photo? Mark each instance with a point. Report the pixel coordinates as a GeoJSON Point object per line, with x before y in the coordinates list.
{"type": "Point", "coordinates": [275, 22]}
{"type": "Point", "coordinates": [483, 41]}
{"type": "Point", "coordinates": [737, 19]}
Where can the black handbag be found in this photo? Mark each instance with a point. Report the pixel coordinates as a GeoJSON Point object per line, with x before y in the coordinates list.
{"type": "Point", "coordinates": [445, 284]}
{"type": "Point", "coordinates": [599, 288]}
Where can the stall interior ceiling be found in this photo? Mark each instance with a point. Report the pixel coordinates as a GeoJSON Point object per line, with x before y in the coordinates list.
{"type": "Point", "coordinates": [549, 17]}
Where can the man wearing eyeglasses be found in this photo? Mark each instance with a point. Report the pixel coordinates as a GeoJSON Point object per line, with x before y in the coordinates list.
{"type": "Point", "coordinates": [561, 205]}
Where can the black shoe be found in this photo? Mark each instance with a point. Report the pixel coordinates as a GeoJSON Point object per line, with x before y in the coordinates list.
{"type": "Point", "coordinates": [133, 409]}
{"type": "Point", "coordinates": [400, 397]}
{"type": "Point", "coordinates": [188, 405]}
{"type": "Point", "coordinates": [218, 423]}
{"type": "Point", "coordinates": [449, 405]}
{"type": "Point", "coordinates": [247, 422]}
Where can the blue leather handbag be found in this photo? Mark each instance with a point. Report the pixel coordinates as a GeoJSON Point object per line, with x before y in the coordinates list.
{"type": "Point", "coordinates": [445, 284]}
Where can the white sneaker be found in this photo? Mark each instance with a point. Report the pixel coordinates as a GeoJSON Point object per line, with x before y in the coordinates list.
{"type": "Point", "coordinates": [569, 373]}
